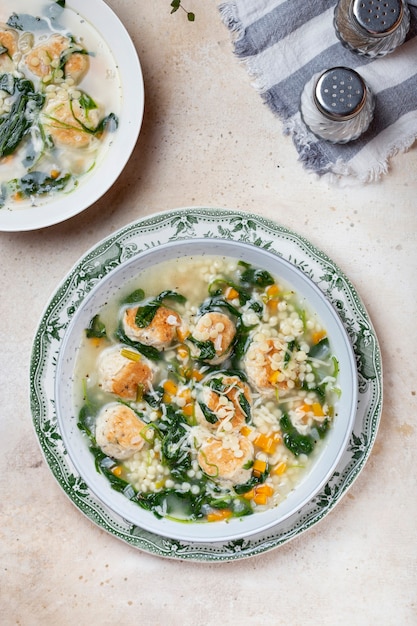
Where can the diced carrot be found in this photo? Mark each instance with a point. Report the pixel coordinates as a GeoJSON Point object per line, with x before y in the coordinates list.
{"type": "Point", "coordinates": [317, 409]}
{"type": "Point", "coordinates": [273, 378]}
{"type": "Point", "coordinates": [279, 469]}
{"type": "Point", "coordinates": [266, 443]}
{"type": "Point", "coordinates": [265, 489]}
{"type": "Point", "coordinates": [258, 468]}
{"type": "Point", "coordinates": [170, 387]}
{"type": "Point", "coordinates": [272, 306]}
{"type": "Point", "coordinates": [260, 498]}
{"type": "Point", "coordinates": [117, 470]}
{"type": "Point", "coordinates": [306, 408]}
{"type": "Point", "coordinates": [55, 173]}
{"type": "Point", "coordinates": [272, 298]}
{"type": "Point", "coordinates": [188, 409]}
{"type": "Point", "coordinates": [262, 493]}
{"type": "Point", "coordinates": [185, 393]}
{"type": "Point", "coordinates": [272, 291]}
{"type": "Point", "coordinates": [318, 336]}
{"type": "Point", "coordinates": [96, 341]}
{"type": "Point", "coordinates": [245, 431]}
{"type": "Point", "coordinates": [231, 293]}
{"type": "Point", "coordinates": [249, 494]}
{"type": "Point", "coordinates": [197, 375]}
{"type": "Point", "coordinates": [218, 515]}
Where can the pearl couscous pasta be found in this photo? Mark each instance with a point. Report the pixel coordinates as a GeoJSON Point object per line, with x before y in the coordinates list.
{"type": "Point", "coordinates": [208, 398]}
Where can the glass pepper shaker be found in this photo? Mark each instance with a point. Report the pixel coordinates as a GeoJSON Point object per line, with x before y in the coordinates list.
{"type": "Point", "coordinates": [372, 28]}
{"type": "Point", "coordinates": [337, 105]}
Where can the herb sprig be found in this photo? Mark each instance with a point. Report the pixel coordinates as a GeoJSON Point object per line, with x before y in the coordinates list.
{"type": "Point", "coordinates": [176, 4]}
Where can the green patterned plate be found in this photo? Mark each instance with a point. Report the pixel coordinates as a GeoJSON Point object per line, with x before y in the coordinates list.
{"type": "Point", "coordinates": [223, 224]}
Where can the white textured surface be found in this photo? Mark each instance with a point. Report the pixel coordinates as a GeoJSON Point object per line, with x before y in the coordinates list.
{"type": "Point", "coordinates": [207, 139]}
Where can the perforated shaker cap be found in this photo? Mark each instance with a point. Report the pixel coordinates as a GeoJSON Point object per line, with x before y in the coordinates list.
{"type": "Point", "coordinates": [340, 93]}
{"type": "Point", "coordinates": [378, 17]}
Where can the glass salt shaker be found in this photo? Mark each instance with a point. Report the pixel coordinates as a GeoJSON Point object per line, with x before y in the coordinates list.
{"type": "Point", "coordinates": [337, 105]}
{"type": "Point", "coordinates": [372, 28]}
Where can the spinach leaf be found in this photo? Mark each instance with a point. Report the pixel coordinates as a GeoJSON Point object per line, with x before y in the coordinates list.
{"type": "Point", "coordinates": [96, 328]}
{"type": "Point", "coordinates": [169, 502]}
{"type": "Point", "coordinates": [87, 103]}
{"type": "Point", "coordinates": [293, 440]}
{"type": "Point", "coordinates": [209, 415]}
{"type": "Point", "coordinates": [245, 406]}
{"type": "Point", "coordinates": [148, 351]}
{"type": "Point", "coordinates": [323, 427]}
{"type": "Point", "coordinates": [27, 22]}
{"type": "Point", "coordinates": [86, 421]}
{"type": "Point", "coordinates": [135, 296]}
{"type": "Point", "coordinates": [16, 123]}
{"type": "Point", "coordinates": [321, 350]}
{"type": "Point", "coordinates": [217, 385]}
{"type": "Point", "coordinates": [257, 307]}
{"type": "Point", "coordinates": [146, 313]}
{"type": "Point", "coordinates": [291, 346]}
{"type": "Point", "coordinates": [111, 121]}
{"type": "Point", "coordinates": [320, 390]}
{"type": "Point", "coordinates": [104, 466]}
{"type": "Point", "coordinates": [217, 288]}
{"type": "Point", "coordinates": [255, 277]}
{"type": "Point", "coordinates": [192, 506]}
{"type": "Point", "coordinates": [241, 342]}
{"type": "Point", "coordinates": [7, 83]}
{"type": "Point", "coordinates": [251, 483]}
{"type": "Point", "coordinates": [154, 399]}
{"type": "Point", "coordinates": [207, 349]}
{"type": "Point", "coordinates": [37, 183]}
{"type": "Point", "coordinates": [175, 449]}
{"type": "Point", "coordinates": [217, 303]}
{"type": "Point", "coordinates": [54, 10]}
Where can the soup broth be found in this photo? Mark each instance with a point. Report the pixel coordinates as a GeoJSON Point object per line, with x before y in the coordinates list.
{"type": "Point", "coordinates": [206, 389]}
{"type": "Point", "coordinates": [60, 99]}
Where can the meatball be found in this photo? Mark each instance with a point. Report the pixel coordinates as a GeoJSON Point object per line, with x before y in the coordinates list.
{"type": "Point", "coordinates": [118, 431]}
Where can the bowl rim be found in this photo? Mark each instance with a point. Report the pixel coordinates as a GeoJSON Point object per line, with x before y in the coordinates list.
{"type": "Point", "coordinates": [228, 530]}
{"type": "Point", "coordinates": [110, 28]}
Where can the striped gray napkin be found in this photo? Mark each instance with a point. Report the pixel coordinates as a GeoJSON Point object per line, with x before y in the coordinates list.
{"type": "Point", "coordinates": [285, 42]}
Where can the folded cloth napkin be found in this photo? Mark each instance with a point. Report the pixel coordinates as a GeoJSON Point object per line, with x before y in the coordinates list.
{"type": "Point", "coordinates": [285, 42]}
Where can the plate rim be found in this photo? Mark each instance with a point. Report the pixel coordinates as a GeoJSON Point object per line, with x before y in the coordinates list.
{"type": "Point", "coordinates": [34, 218]}
{"type": "Point", "coordinates": [184, 220]}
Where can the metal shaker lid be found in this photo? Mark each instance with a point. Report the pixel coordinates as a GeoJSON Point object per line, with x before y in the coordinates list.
{"type": "Point", "coordinates": [340, 93]}
{"type": "Point", "coordinates": [378, 17]}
